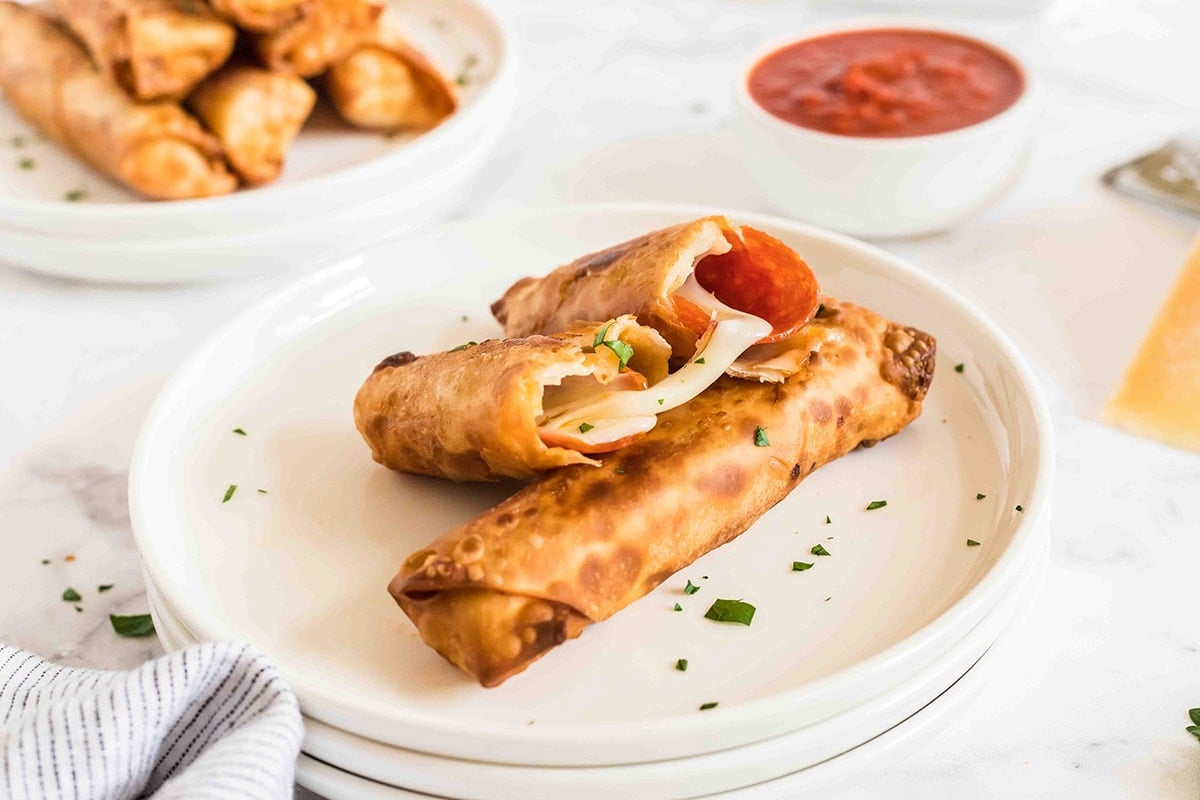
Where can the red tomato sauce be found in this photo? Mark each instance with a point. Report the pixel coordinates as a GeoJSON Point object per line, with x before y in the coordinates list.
{"type": "Point", "coordinates": [886, 83]}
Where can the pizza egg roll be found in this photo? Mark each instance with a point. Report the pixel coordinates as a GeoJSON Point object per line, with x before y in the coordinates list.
{"type": "Point", "coordinates": [260, 15]}
{"type": "Point", "coordinates": [156, 148]}
{"type": "Point", "coordinates": [388, 85]}
{"type": "Point", "coordinates": [551, 401]}
{"type": "Point", "coordinates": [682, 281]}
{"type": "Point", "coordinates": [155, 49]}
{"type": "Point", "coordinates": [326, 31]}
{"type": "Point", "coordinates": [579, 544]}
{"type": "Point", "coordinates": [256, 114]}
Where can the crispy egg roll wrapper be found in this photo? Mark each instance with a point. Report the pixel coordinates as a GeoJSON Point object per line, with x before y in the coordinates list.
{"type": "Point", "coordinates": [470, 414]}
{"type": "Point", "coordinates": [580, 544]}
{"type": "Point", "coordinates": [256, 114]}
{"type": "Point", "coordinates": [636, 277]}
{"type": "Point", "coordinates": [155, 148]}
{"type": "Point", "coordinates": [260, 15]}
{"type": "Point", "coordinates": [388, 85]}
{"type": "Point", "coordinates": [156, 49]}
{"type": "Point", "coordinates": [325, 32]}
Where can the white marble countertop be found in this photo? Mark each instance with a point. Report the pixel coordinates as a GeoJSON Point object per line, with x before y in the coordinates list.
{"type": "Point", "coordinates": [630, 101]}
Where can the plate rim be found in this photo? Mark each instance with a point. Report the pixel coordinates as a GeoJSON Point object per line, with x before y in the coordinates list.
{"type": "Point", "coordinates": [55, 212]}
{"type": "Point", "coordinates": [984, 593]}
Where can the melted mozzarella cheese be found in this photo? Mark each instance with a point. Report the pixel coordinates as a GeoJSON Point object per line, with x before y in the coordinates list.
{"type": "Point", "coordinates": [609, 415]}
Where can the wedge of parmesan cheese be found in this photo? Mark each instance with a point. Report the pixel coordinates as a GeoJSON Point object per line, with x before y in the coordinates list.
{"type": "Point", "coordinates": [1159, 397]}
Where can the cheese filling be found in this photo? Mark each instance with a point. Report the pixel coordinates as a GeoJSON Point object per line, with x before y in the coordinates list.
{"type": "Point", "coordinates": [609, 416]}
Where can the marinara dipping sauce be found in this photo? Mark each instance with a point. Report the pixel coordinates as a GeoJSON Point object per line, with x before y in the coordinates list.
{"type": "Point", "coordinates": [886, 82]}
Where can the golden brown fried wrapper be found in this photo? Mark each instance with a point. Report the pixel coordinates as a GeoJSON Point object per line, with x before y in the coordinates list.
{"type": "Point", "coordinates": [471, 414]}
{"type": "Point", "coordinates": [155, 148]}
{"type": "Point", "coordinates": [580, 544]}
{"type": "Point", "coordinates": [388, 85]}
{"type": "Point", "coordinates": [256, 114]}
{"type": "Point", "coordinates": [326, 31]}
{"type": "Point", "coordinates": [634, 277]}
{"type": "Point", "coordinates": [155, 49]}
{"type": "Point", "coordinates": [260, 15]}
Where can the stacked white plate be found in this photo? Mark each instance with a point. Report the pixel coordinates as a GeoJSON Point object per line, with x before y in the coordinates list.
{"type": "Point", "coordinates": [843, 662]}
{"type": "Point", "coordinates": [341, 187]}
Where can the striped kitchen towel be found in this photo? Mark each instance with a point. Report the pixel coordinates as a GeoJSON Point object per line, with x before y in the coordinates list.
{"type": "Point", "coordinates": [211, 721]}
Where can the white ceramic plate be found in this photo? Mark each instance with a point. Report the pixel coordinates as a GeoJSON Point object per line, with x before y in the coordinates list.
{"type": "Point", "coordinates": [301, 571]}
{"type": "Point", "coordinates": [419, 201]}
{"type": "Point", "coordinates": [330, 166]}
{"type": "Point", "coordinates": [336, 783]}
{"type": "Point", "coordinates": [678, 778]}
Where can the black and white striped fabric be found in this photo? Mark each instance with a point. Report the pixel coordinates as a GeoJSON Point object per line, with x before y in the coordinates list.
{"type": "Point", "coordinates": [212, 721]}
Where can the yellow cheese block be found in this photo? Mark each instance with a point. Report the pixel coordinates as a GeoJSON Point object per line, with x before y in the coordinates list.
{"type": "Point", "coordinates": [1160, 395]}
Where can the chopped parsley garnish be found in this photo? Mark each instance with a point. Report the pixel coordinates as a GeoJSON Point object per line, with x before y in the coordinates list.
{"type": "Point", "coordinates": [1019, 508]}
{"type": "Point", "coordinates": [681, 665]}
{"type": "Point", "coordinates": [707, 706]}
{"type": "Point", "coordinates": [980, 495]}
{"type": "Point", "coordinates": [800, 566]}
{"type": "Point", "coordinates": [730, 611]}
{"type": "Point", "coordinates": [461, 79]}
{"type": "Point", "coordinates": [26, 163]}
{"type": "Point", "coordinates": [71, 596]}
{"type": "Point", "coordinates": [828, 520]}
{"type": "Point", "coordinates": [464, 318]}
{"type": "Point", "coordinates": [601, 335]}
{"type": "Point", "coordinates": [584, 427]}
{"type": "Point", "coordinates": [463, 346]}
{"type": "Point", "coordinates": [78, 609]}
{"type": "Point", "coordinates": [262, 491]}
{"type": "Point", "coordinates": [104, 587]}
{"type": "Point", "coordinates": [691, 588]}
{"type": "Point", "coordinates": [760, 437]}
{"type": "Point", "coordinates": [703, 577]}
{"type": "Point", "coordinates": [678, 607]}
{"type": "Point", "coordinates": [1194, 729]}
{"type": "Point", "coordinates": [75, 195]}
{"type": "Point", "coordinates": [229, 492]}
{"type": "Point", "coordinates": [136, 625]}
{"type": "Point", "coordinates": [239, 431]}
{"type": "Point", "coordinates": [958, 368]}
{"type": "Point", "coordinates": [624, 351]}
{"type": "Point", "coordinates": [619, 470]}
{"type": "Point", "coordinates": [874, 504]}
{"type": "Point", "coordinates": [819, 550]}
{"type": "Point", "coordinates": [972, 543]}
{"type": "Point", "coordinates": [661, 401]}
{"type": "Point", "coordinates": [699, 360]}
{"type": "Point", "coordinates": [45, 561]}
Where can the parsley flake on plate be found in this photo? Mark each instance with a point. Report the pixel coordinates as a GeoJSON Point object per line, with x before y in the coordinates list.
{"type": "Point", "coordinates": [972, 543]}
{"type": "Point", "coordinates": [104, 587]}
{"type": "Point", "coordinates": [681, 665]}
{"type": "Point", "coordinates": [819, 550]}
{"type": "Point", "coordinates": [980, 495]}
{"type": "Point", "coordinates": [958, 368]}
{"type": "Point", "coordinates": [874, 504]}
{"type": "Point", "coordinates": [136, 625]}
{"type": "Point", "coordinates": [691, 588]}
{"type": "Point", "coordinates": [71, 596]}
{"type": "Point", "coordinates": [239, 431]}
{"type": "Point", "coordinates": [707, 706]}
{"type": "Point", "coordinates": [800, 566]}
{"type": "Point", "coordinates": [738, 611]}
{"type": "Point", "coordinates": [678, 607]}
{"type": "Point", "coordinates": [229, 493]}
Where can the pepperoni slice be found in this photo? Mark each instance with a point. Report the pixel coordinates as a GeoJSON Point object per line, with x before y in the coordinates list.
{"type": "Point", "coordinates": [761, 276]}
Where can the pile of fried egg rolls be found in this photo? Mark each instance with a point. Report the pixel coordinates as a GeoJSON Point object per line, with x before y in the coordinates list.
{"type": "Point", "coordinates": [181, 99]}
{"type": "Point", "coordinates": [768, 381]}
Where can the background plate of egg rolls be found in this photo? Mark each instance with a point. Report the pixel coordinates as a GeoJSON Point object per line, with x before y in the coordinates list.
{"type": "Point", "coordinates": [347, 110]}
{"type": "Point", "coordinates": [261, 515]}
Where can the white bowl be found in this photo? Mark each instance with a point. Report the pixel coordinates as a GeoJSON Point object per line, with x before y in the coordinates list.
{"type": "Point", "coordinates": [330, 168]}
{"type": "Point", "coordinates": [301, 571]}
{"type": "Point", "coordinates": [883, 187]}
